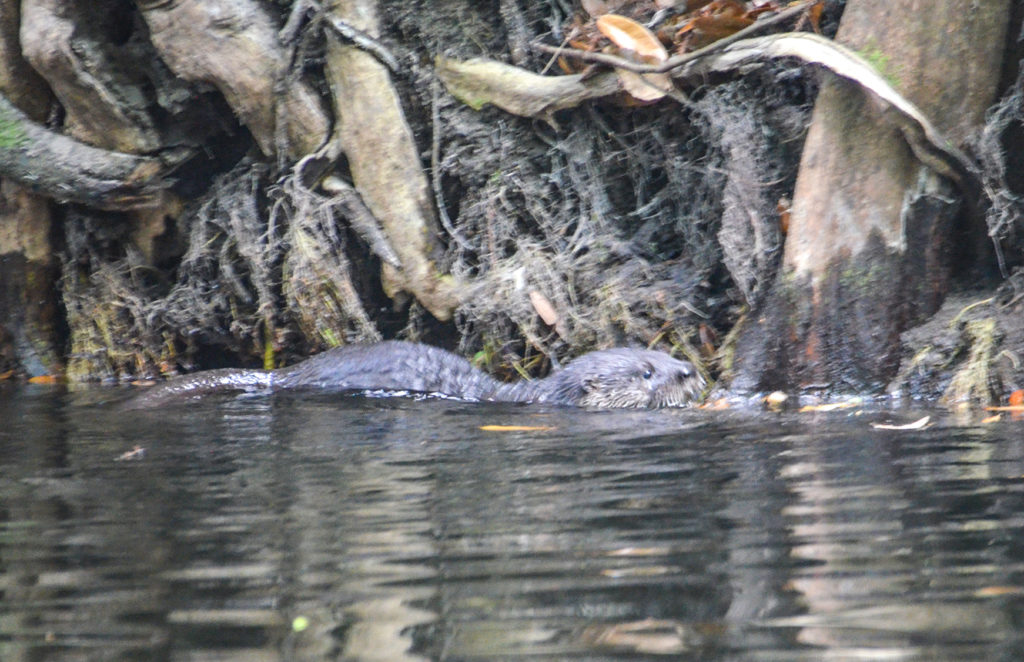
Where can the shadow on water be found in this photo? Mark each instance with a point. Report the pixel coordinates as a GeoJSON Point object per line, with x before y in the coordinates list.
{"type": "Point", "coordinates": [352, 528]}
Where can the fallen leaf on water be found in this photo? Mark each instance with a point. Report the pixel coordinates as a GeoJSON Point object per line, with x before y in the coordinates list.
{"type": "Point", "coordinates": [833, 406]}
{"type": "Point", "coordinates": [6, 375]}
{"type": "Point", "coordinates": [995, 591]}
{"type": "Point", "coordinates": [1016, 398]}
{"type": "Point", "coordinates": [1009, 408]}
{"type": "Point", "coordinates": [639, 551]}
{"type": "Point", "coordinates": [136, 453]}
{"type": "Point", "coordinates": [644, 571]}
{"type": "Point", "coordinates": [916, 425]}
{"type": "Point", "coordinates": [991, 419]}
{"type": "Point", "coordinates": [44, 379]}
{"type": "Point", "coordinates": [516, 428]}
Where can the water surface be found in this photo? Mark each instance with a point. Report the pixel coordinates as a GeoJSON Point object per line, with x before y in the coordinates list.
{"type": "Point", "coordinates": [347, 528]}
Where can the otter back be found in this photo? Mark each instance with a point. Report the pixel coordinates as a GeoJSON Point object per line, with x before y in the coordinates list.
{"type": "Point", "coordinates": [613, 378]}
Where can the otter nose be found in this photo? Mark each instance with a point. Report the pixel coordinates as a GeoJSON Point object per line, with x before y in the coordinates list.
{"type": "Point", "coordinates": [683, 373]}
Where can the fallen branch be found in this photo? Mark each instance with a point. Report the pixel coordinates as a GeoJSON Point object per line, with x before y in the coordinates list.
{"type": "Point", "coordinates": [67, 170]}
{"type": "Point", "coordinates": [924, 139]}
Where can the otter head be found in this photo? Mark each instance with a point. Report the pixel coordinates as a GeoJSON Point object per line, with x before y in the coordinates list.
{"type": "Point", "coordinates": [627, 378]}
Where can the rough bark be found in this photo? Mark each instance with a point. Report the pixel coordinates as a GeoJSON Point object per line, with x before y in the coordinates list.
{"type": "Point", "coordinates": [102, 95]}
{"type": "Point", "coordinates": [233, 45]}
{"type": "Point", "coordinates": [385, 164]}
{"type": "Point", "coordinates": [18, 80]}
{"type": "Point", "coordinates": [28, 307]}
{"type": "Point", "coordinates": [867, 249]}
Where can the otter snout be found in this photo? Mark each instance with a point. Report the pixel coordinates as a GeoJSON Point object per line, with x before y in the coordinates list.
{"type": "Point", "coordinates": [682, 384]}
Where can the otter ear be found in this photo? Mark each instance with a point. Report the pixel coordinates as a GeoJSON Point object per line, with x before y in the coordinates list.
{"type": "Point", "coordinates": [590, 384]}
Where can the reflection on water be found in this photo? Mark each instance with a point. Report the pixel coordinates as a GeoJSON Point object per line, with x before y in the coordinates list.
{"type": "Point", "coordinates": [372, 529]}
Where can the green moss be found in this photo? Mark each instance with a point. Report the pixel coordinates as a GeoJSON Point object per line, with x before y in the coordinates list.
{"type": "Point", "coordinates": [12, 133]}
{"type": "Point", "coordinates": [269, 355]}
{"type": "Point", "coordinates": [879, 61]}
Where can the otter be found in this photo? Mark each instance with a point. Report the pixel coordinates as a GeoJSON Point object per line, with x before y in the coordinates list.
{"type": "Point", "coordinates": [611, 378]}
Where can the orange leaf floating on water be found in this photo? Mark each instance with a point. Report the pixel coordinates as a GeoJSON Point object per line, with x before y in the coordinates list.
{"type": "Point", "coordinates": [633, 37]}
{"type": "Point", "coordinates": [991, 419]}
{"type": "Point", "coordinates": [1010, 408]}
{"type": "Point", "coordinates": [996, 591]}
{"type": "Point", "coordinates": [1016, 398]}
{"type": "Point", "coordinates": [517, 428]}
{"type": "Point", "coordinates": [6, 375]}
{"type": "Point", "coordinates": [44, 379]}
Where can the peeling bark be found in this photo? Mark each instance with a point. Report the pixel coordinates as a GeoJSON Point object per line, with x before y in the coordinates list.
{"type": "Point", "coordinates": [385, 164]}
{"type": "Point", "coordinates": [867, 253]}
{"type": "Point", "coordinates": [233, 45]}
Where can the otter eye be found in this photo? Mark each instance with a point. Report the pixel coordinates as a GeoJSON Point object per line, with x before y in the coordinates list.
{"type": "Point", "coordinates": [648, 373]}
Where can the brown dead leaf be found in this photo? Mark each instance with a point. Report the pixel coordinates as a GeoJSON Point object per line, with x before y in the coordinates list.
{"type": "Point", "coordinates": [547, 312]}
{"type": "Point", "coordinates": [634, 37]}
{"type": "Point", "coordinates": [545, 309]}
{"type": "Point", "coordinates": [642, 45]}
{"type": "Point", "coordinates": [783, 208]}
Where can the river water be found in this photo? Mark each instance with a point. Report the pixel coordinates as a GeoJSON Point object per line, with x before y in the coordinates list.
{"type": "Point", "coordinates": [349, 528]}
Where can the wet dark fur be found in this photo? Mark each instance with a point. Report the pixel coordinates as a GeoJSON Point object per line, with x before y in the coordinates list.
{"type": "Point", "coordinates": [612, 378]}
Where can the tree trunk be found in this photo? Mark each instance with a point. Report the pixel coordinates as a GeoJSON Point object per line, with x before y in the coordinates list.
{"type": "Point", "coordinates": [28, 301]}
{"type": "Point", "coordinates": [867, 254]}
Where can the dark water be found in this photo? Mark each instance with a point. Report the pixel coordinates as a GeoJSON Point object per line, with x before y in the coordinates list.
{"type": "Point", "coordinates": [384, 529]}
